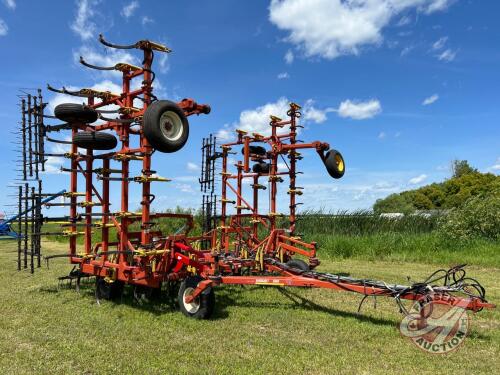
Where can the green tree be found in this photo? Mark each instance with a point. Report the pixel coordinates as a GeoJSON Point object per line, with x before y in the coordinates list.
{"type": "Point", "coordinates": [393, 203]}
{"type": "Point", "coordinates": [466, 183]}
{"type": "Point", "coordinates": [461, 167]}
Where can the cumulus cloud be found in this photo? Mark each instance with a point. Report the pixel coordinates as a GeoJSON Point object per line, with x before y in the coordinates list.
{"type": "Point", "coordinates": [418, 179]}
{"type": "Point", "coordinates": [257, 120]}
{"type": "Point", "coordinates": [496, 166]}
{"type": "Point", "coordinates": [11, 4]}
{"type": "Point", "coordinates": [105, 85]}
{"type": "Point", "coordinates": [109, 58]}
{"type": "Point", "coordinates": [129, 9]}
{"type": "Point", "coordinates": [359, 110]}
{"type": "Point", "coordinates": [4, 29]}
{"type": "Point", "coordinates": [447, 55]}
{"type": "Point", "coordinates": [431, 99]}
{"type": "Point", "coordinates": [313, 114]}
{"type": "Point", "coordinates": [289, 57]}
{"type": "Point", "coordinates": [283, 75]}
{"type": "Point", "coordinates": [330, 28]}
{"type": "Point", "coordinates": [83, 25]}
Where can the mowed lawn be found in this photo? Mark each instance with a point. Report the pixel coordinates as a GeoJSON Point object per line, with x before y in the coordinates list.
{"type": "Point", "coordinates": [259, 330]}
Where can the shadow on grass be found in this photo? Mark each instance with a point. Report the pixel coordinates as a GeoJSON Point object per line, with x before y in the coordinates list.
{"type": "Point", "coordinates": [231, 297]}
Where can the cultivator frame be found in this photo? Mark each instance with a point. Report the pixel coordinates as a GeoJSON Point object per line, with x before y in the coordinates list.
{"type": "Point", "coordinates": [242, 245]}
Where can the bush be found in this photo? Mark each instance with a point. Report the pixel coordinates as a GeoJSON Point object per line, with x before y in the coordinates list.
{"type": "Point", "coordinates": [478, 217]}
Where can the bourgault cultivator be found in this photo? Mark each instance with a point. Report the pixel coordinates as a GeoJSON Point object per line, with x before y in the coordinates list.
{"type": "Point", "coordinates": [242, 245]}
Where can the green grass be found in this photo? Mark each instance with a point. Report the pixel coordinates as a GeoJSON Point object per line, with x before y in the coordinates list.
{"type": "Point", "coordinates": [424, 248]}
{"type": "Point", "coordinates": [255, 329]}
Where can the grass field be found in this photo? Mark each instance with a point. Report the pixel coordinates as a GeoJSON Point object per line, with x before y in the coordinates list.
{"type": "Point", "coordinates": [255, 329]}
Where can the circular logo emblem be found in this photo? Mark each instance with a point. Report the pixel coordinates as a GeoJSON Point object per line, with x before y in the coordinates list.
{"type": "Point", "coordinates": [437, 324]}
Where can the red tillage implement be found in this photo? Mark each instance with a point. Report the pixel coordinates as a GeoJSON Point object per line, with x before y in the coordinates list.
{"type": "Point", "coordinates": [243, 244]}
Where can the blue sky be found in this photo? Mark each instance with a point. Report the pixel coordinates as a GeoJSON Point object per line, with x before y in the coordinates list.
{"type": "Point", "coordinates": [400, 87]}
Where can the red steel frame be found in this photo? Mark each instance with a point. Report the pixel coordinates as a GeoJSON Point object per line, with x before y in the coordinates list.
{"type": "Point", "coordinates": [148, 257]}
{"type": "Point", "coordinates": [130, 257]}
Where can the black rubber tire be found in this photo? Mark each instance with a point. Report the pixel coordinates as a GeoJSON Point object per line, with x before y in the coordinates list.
{"type": "Point", "coordinates": [205, 301]}
{"type": "Point", "coordinates": [261, 168]}
{"type": "Point", "coordinates": [334, 163]}
{"type": "Point", "coordinates": [108, 290]}
{"type": "Point", "coordinates": [72, 112]}
{"type": "Point", "coordinates": [298, 264]}
{"type": "Point", "coordinates": [95, 140]}
{"type": "Point", "coordinates": [155, 131]}
{"type": "Point", "coordinates": [255, 150]}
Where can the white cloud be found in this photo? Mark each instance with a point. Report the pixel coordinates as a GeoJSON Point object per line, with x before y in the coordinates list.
{"type": "Point", "coordinates": [330, 28]}
{"type": "Point", "coordinates": [257, 120]}
{"type": "Point", "coordinates": [359, 110]}
{"type": "Point", "coordinates": [4, 29]}
{"type": "Point", "coordinates": [129, 9]}
{"type": "Point", "coordinates": [11, 4]}
{"type": "Point", "coordinates": [145, 20]}
{"type": "Point", "coordinates": [431, 99]}
{"type": "Point", "coordinates": [447, 55]}
{"type": "Point", "coordinates": [109, 58]}
{"type": "Point", "coordinates": [496, 166]}
{"type": "Point", "coordinates": [185, 188]}
{"type": "Point", "coordinates": [283, 75]}
{"type": "Point", "coordinates": [105, 85]}
{"type": "Point", "coordinates": [438, 5]}
{"type": "Point", "coordinates": [403, 21]}
{"type": "Point", "coordinates": [53, 164]}
{"type": "Point", "coordinates": [282, 167]}
{"type": "Point", "coordinates": [314, 114]}
{"type": "Point", "coordinates": [192, 167]}
{"type": "Point", "coordinates": [417, 180]}
{"type": "Point", "coordinates": [83, 24]}
{"type": "Point", "coordinates": [440, 43]}
{"type": "Point", "coordinates": [405, 51]}
{"type": "Point", "coordinates": [382, 135]}
{"type": "Point", "coordinates": [163, 63]}
{"type": "Point", "coordinates": [289, 57]}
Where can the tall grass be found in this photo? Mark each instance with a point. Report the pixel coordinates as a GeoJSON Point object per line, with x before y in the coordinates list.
{"type": "Point", "coordinates": [359, 223]}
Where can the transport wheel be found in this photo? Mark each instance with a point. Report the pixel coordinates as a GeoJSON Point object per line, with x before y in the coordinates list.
{"type": "Point", "coordinates": [334, 163]}
{"type": "Point", "coordinates": [72, 112]}
{"type": "Point", "coordinates": [203, 306]}
{"type": "Point", "coordinates": [106, 289]}
{"type": "Point", "coordinates": [298, 264]}
{"type": "Point", "coordinates": [255, 150]}
{"type": "Point", "coordinates": [165, 126]}
{"type": "Point", "coordinates": [261, 167]}
{"type": "Point", "coordinates": [95, 140]}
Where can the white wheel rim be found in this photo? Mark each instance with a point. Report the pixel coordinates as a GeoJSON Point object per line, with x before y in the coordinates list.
{"type": "Point", "coordinates": [192, 307]}
{"type": "Point", "coordinates": [171, 125]}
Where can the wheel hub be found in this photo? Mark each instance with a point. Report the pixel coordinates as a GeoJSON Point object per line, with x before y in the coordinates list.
{"type": "Point", "coordinates": [192, 307]}
{"type": "Point", "coordinates": [171, 125]}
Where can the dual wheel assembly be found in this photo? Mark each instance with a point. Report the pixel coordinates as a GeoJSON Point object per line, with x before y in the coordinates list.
{"type": "Point", "coordinates": [165, 126]}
